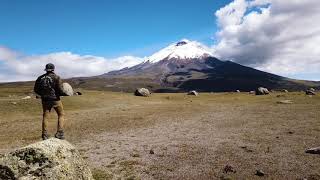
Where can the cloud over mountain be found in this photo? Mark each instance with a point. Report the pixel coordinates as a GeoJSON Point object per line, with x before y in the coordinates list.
{"type": "Point", "coordinates": [277, 36]}
{"type": "Point", "coordinates": [18, 67]}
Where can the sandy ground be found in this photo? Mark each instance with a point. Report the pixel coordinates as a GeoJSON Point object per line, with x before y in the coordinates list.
{"type": "Point", "coordinates": [174, 136]}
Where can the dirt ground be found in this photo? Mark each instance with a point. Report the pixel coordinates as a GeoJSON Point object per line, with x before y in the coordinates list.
{"type": "Point", "coordinates": [175, 136]}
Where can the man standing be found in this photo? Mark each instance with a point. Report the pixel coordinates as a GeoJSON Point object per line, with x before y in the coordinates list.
{"type": "Point", "coordinates": [49, 87]}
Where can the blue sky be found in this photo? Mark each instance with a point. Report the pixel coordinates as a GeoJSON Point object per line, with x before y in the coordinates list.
{"type": "Point", "coordinates": [91, 37]}
{"type": "Point", "coordinates": [108, 28]}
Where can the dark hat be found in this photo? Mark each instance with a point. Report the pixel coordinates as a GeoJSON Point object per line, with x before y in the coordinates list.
{"type": "Point", "coordinates": [49, 67]}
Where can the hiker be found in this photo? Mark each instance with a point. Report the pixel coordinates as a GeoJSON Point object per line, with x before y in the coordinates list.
{"type": "Point", "coordinates": [49, 87]}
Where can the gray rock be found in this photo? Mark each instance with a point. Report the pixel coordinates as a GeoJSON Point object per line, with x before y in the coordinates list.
{"type": "Point", "coordinates": [27, 97]}
{"type": "Point", "coordinates": [142, 92]}
{"type": "Point", "coordinates": [78, 93]}
{"type": "Point", "coordinates": [285, 102]}
{"type": "Point", "coordinates": [252, 92]}
{"type": "Point", "coordinates": [67, 89]}
{"type": "Point", "coordinates": [50, 159]}
{"type": "Point", "coordinates": [260, 173]}
{"type": "Point", "coordinates": [193, 93]}
{"type": "Point", "coordinates": [262, 91]}
{"type": "Point", "coordinates": [312, 89]}
{"type": "Point", "coordinates": [315, 150]}
{"type": "Point", "coordinates": [310, 92]}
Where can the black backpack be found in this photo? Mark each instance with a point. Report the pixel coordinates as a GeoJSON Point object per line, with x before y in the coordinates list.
{"type": "Point", "coordinates": [46, 86]}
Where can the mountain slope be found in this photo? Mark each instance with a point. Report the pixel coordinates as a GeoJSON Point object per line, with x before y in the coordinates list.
{"type": "Point", "coordinates": [188, 65]}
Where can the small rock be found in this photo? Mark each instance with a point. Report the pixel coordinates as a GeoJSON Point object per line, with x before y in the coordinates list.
{"type": "Point", "coordinates": [194, 93]}
{"type": "Point", "coordinates": [285, 102]}
{"type": "Point", "coordinates": [262, 91]}
{"type": "Point", "coordinates": [311, 93]}
{"type": "Point", "coordinates": [151, 151]}
{"type": "Point", "coordinates": [315, 150]}
{"type": "Point", "coordinates": [27, 97]}
{"type": "Point", "coordinates": [238, 91]}
{"type": "Point", "coordinates": [135, 155]}
{"type": "Point", "coordinates": [290, 132]}
{"type": "Point", "coordinates": [252, 92]}
{"type": "Point", "coordinates": [78, 93]}
{"type": "Point", "coordinates": [14, 103]}
{"type": "Point", "coordinates": [260, 173]}
{"type": "Point", "coordinates": [142, 92]}
{"type": "Point", "coordinates": [228, 168]}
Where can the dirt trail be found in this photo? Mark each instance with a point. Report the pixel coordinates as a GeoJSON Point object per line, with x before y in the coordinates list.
{"type": "Point", "coordinates": [183, 146]}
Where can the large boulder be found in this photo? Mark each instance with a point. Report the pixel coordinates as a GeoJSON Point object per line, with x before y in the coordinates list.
{"type": "Point", "coordinates": [262, 91]}
{"type": "Point", "coordinates": [142, 92]}
{"type": "Point", "coordinates": [67, 89]}
{"type": "Point", "coordinates": [193, 93]}
{"type": "Point", "coordinates": [50, 159]}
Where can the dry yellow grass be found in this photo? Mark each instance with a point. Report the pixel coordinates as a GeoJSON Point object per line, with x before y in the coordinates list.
{"type": "Point", "coordinates": [191, 137]}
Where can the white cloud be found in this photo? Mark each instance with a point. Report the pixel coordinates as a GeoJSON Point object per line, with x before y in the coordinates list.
{"type": "Point", "coordinates": [7, 54]}
{"type": "Point", "coordinates": [22, 67]}
{"type": "Point", "coordinates": [278, 36]}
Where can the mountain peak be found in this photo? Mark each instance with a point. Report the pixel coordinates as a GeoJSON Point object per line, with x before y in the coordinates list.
{"type": "Point", "coordinates": [182, 50]}
{"type": "Point", "coordinates": [182, 42]}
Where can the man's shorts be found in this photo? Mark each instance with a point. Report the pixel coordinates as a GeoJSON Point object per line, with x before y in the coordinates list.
{"type": "Point", "coordinates": [48, 105]}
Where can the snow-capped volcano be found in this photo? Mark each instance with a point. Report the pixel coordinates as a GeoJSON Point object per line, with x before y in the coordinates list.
{"type": "Point", "coordinates": [189, 65]}
{"type": "Point", "coordinates": [182, 57]}
{"type": "Point", "coordinates": [183, 49]}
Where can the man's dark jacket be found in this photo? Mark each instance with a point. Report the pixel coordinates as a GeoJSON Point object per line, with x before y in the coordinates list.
{"type": "Point", "coordinates": [54, 87]}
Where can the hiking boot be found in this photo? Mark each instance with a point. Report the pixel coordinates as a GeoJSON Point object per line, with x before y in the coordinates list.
{"type": "Point", "coordinates": [45, 136]}
{"type": "Point", "coordinates": [59, 135]}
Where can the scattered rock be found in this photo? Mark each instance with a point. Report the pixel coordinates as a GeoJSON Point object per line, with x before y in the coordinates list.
{"type": "Point", "coordinates": [50, 159]}
{"type": "Point", "coordinates": [67, 89]}
{"type": "Point", "coordinates": [284, 90]}
{"type": "Point", "coordinates": [142, 92]}
{"type": "Point", "coordinates": [280, 95]}
{"type": "Point", "coordinates": [312, 89]}
{"type": "Point", "coordinates": [151, 151]}
{"type": "Point", "coordinates": [262, 91]}
{"type": "Point", "coordinates": [290, 132]}
{"type": "Point", "coordinates": [246, 148]}
{"type": "Point", "coordinates": [260, 173]}
{"type": "Point", "coordinates": [193, 93]}
{"type": "Point", "coordinates": [27, 97]}
{"type": "Point", "coordinates": [78, 93]}
{"type": "Point", "coordinates": [313, 177]}
{"type": "Point", "coordinates": [285, 102]}
{"type": "Point", "coordinates": [252, 92]}
{"type": "Point", "coordinates": [310, 92]}
{"type": "Point", "coordinates": [14, 103]}
{"type": "Point", "coordinates": [238, 91]}
{"type": "Point", "coordinates": [315, 150]}
{"type": "Point", "coordinates": [135, 155]}
{"type": "Point", "coordinates": [228, 168]}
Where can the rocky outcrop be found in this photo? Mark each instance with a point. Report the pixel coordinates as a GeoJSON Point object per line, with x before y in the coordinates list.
{"type": "Point", "coordinates": [142, 92]}
{"type": "Point", "coordinates": [50, 159]}
{"type": "Point", "coordinates": [262, 91]}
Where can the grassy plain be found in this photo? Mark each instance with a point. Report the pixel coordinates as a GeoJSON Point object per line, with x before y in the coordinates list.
{"type": "Point", "coordinates": [175, 136]}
